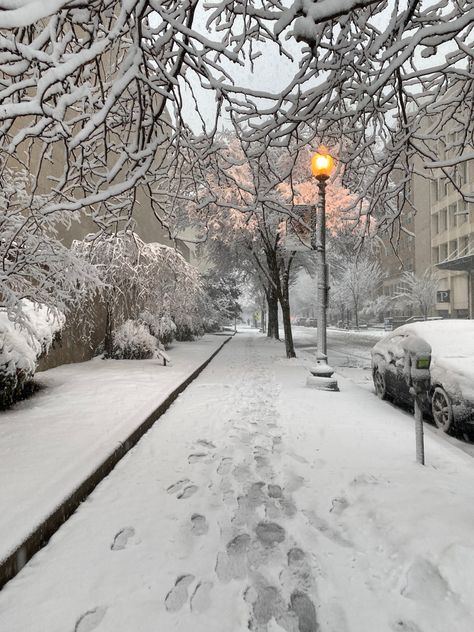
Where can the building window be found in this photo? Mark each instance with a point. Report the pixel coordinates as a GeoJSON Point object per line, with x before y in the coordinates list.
{"type": "Point", "coordinates": [453, 246]}
{"type": "Point", "coordinates": [435, 255]}
{"type": "Point", "coordinates": [443, 252]}
{"type": "Point", "coordinates": [462, 212]}
{"type": "Point", "coordinates": [441, 148]}
{"type": "Point", "coordinates": [463, 245]}
{"type": "Point", "coordinates": [435, 224]}
{"type": "Point", "coordinates": [453, 220]}
{"type": "Point", "coordinates": [443, 220]}
{"type": "Point", "coordinates": [462, 173]}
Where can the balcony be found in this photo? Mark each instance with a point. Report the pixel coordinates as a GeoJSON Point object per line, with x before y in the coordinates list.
{"type": "Point", "coordinates": [459, 259]}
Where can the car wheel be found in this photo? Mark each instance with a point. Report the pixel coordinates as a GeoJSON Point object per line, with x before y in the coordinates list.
{"type": "Point", "coordinates": [380, 385]}
{"type": "Point", "coordinates": [442, 410]}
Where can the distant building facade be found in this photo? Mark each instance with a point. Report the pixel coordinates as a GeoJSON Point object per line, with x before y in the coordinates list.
{"type": "Point", "coordinates": [440, 234]}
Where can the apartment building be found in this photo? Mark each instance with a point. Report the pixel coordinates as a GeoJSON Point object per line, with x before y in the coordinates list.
{"type": "Point", "coordinates": [396, 256]}
{"type": "Point", "coordinates": [452, 243]}
{"type": "Point", "coordinates": [440, 234]}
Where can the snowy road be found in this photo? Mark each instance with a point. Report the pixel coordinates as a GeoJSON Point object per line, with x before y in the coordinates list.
{"type": "Point", "coordinates": [345, 348]}
{"type": "Point", "coordinates": [258, 504]}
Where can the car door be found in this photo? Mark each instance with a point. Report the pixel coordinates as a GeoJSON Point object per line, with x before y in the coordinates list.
{"type": "Point", "coordinates": [395, 375]}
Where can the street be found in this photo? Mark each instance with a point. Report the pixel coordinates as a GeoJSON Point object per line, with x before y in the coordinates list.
{"type": "Point", "coordinates": [345, 348]}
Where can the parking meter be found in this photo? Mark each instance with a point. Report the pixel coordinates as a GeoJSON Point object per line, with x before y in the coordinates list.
{"type": "Point", "coordinates": [417, 364]}
{"type": "Point", "coordinates": [417, 374]}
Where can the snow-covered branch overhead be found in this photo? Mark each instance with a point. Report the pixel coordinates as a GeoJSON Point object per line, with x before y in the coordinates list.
{"type": "Point", "coordinates": [95, 98]}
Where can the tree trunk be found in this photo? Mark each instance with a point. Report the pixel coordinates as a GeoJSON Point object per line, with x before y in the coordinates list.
{"type": "Point", "coordinates": [272, 300]}
{"type": "Point", "coordinates": [356, 314]}
{"type": "Point", "coordinates": [285, 308]}
{"type": "Point", "coordinates": [109, 328]}
{"type": "Point", "coordinates": [263, 321]}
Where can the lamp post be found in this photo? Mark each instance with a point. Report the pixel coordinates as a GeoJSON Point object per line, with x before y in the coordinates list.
{"type": "Point", "coordinates": [320, 377]}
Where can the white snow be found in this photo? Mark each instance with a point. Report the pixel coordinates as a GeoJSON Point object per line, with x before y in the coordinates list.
{"type": "Point", "coordinates": [257, 499]}
{"type": "Point", "coordinates": [22, 344]}
{"type": "Point", "coordinates": [50, 443]}
{"type": "Point", "coordinates": [449, 338]}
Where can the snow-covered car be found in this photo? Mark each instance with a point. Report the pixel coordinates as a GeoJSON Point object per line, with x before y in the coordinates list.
{"type": "Point", "coordinates": [449, 399]}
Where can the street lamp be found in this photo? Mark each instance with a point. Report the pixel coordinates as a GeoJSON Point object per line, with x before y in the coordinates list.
{"type": "Point", "coordinates": [322, 164]}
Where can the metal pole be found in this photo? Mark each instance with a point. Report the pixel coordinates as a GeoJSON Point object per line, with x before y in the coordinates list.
{"type": "Point", "coordinates": [420, 447]}
{"type": "Point", "coordinates": [470, 285]}
{"type": "Point", "coordinates": [322, 271]}
{"type": "Point", "coordinates": [321, 374]}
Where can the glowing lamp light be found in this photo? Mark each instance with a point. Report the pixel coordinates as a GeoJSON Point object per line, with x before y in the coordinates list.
{"type": "Point", "coordinates": [322, 164]}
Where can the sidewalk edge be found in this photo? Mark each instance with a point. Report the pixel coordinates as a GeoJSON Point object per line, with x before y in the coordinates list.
{"type": "Point", "coordinates": [39, 537]}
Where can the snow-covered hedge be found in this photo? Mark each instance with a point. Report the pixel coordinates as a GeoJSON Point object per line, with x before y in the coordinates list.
{"type": "Point", "coordinates": [162, 327]}
{"type": "Point", "coordinates": [22, 344]}
{"type": "Point", "coordinates": [167, 330]}
{"type": "Point", "coordinates": [133, 341]}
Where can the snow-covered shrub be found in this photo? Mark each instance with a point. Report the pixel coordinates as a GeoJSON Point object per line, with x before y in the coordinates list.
{"type": "Point", "coordinates": [133, 341]}
{"type": "Point", "coordinates": [21, 345]}
{"type": "Point", "coordinates": [184, 331]}
{"type": "Point", "coordinates": [211, 324]}
{"type": "Point", "coordinates": [167, 332]}
{"type": "Point", "coordinates": [162, 327]}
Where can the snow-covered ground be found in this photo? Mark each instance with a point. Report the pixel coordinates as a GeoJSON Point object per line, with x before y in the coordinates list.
{"type": "Point", "coordinates": [259, 504]}
{"type": "Point", "coordinates": [348, 351]}
{"type": "Point", "coordinates": [50, 443]}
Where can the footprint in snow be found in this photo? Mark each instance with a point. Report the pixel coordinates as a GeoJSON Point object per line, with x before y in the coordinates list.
{"type": "Point", "coordinates": [207, 444]}
{"type": "Point", "coordinates": [304, 609]}
{"type": "Point", "coordinates": [201, 597]}
{"type": "Point", "coordinates": [188, 491]}
{"type": "Point", "coordinates": [232, 564]}
{"type": "Point", "coordinates": [178, 595]}
{"type": "Point", "coordinates": [199, 524]}
{"type": "Point", "coordinates": [270, 533]}
{"type": "Point", "coordinates": [121, 538]}
{"type": "Point", "coordinates": [338, 505]}
{"type": "Point", "coordinates": [268, 608]}
{"type": "Point", "coordinates": [224, 466]}
{"type": "Point", "coordinates": [296, 557]}
{"type": "Point", "coordinates": [172, 489]}
{"type": "Point", "coordinates": [90, 620]}
{"type": "Point", "coordinates": [274, 491]}
{"type": "Point", "coordinates": [196, 457]}
{"type": "Point", "coordinates": [297, 576]}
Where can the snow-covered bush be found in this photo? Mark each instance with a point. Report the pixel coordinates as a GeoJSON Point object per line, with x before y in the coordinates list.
{"type": "Point", "coordinates": [184, 332]}
{"type": "Point", "coordinates": [133, 341]}
{"type": "Point", "coordinates": [21, 345]}
{"type": "Point", "coordinates": [167, 332]}
{"type": "Point", "coordinates": [162, 327]}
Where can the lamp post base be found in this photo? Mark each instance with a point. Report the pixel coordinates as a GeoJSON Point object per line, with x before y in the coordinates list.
{"type": "Point", "coordinates": [322, 383]}
{"type": "Point", "coordinates": [321, 376]}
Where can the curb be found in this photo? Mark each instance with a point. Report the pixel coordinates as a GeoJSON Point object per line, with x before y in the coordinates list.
{"type": "Point", "coordinates": [11, 565]}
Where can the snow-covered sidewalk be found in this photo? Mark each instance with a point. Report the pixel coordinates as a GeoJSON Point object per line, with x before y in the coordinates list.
{"type": "Point", "coordinates": [52, 442]}
{"type": "Point", "coordinates": [259, 504]}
